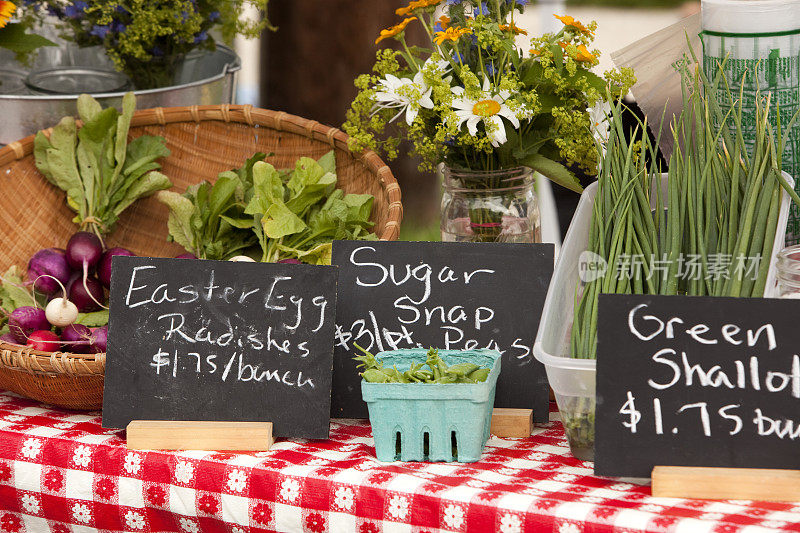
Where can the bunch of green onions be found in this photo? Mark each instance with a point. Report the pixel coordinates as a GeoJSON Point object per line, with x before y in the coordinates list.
{"type": "Point", "coordinates": [722, 196]}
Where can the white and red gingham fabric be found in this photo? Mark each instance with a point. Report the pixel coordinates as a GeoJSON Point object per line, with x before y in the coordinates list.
{"type": "Point", "coordinates": [61, 472]}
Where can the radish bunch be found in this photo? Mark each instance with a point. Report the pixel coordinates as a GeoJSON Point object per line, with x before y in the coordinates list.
{"type": "Point", "coordinates": [73, 281]}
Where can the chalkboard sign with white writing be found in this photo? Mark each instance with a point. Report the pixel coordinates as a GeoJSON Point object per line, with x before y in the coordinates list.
{"type": "Point", "coordinates": [219, 340]}
{"type": "Point", "coordinates": [696, 381]}
{"type": "Point", "coordinates": [452, 296]}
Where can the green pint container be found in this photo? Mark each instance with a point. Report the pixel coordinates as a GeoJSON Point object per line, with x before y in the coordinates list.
{"type": "Point", "coordinates": [432, 421]}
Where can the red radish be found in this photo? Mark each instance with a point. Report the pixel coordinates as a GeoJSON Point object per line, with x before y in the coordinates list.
{"type": "Point", "coordinates": [104, 267]}
{"type": "Point", "coordinates": [83, 250]}
{"type": "Point", "coordinates": [26, 319]}
{"type": "Point", "coordinates": [8, 337]}
{"type": "Point", "coordinates": [99, 340]}
{"type": "Point", "coordinates": [44, 341]}
{"type": "Point", "coordinates": [76, 338]}
{"type": "Point", "coordinates": [46, 268]}
{"type": "Point", "coordinates": [87, 295]}
{"type": "Point", "coordinates": [242, 259]}
{"type": "Point", "coordinates": [290, 261]}
{"type": "Point", "coordinates": [187, 255]}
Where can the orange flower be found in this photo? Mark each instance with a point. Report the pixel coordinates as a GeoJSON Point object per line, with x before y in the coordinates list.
{"type": "Point", "coordinates": [453, 33]}
{"type": "Point", "coordinates": [394, 30]}
{"type": "Point", "coordinates": [6, 10]}
{"type": "Point", "coordinates": [444, 22]}
{"type": "Point", "coordinates": [535, 51]}
{"type": "Point", "coordinates": [513, 28]}
{"type": "Point", "coordinates": [416, 4]}
{"type": "Point", "coordinates": [583, 55]}
{"type": "Point", "coordinates": [572, 23]}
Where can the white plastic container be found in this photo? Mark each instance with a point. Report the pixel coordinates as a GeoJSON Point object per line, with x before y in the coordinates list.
{"type": "Point", "coordinates": [573, 380]}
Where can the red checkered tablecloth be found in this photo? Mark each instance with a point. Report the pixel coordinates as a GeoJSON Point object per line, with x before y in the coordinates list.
{"type": "Point", "coordinates": [60, 472]}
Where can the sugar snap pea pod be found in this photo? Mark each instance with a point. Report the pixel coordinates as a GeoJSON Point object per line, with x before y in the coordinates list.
{"type": "Point", "coordinates": [464, 379]}
{"type": "Point", "coordinates": [463, 369]}
{"type": "Point", "coordinates": [480, 375]}
{"type": "Point", "coordinates": [446, 379]}
{"type": "Point", "coordinates": [410, 377]}
{"type": "Point", "coordinates": [373, 375]}
{"type": "Point", "coordinates": [424, 375]}
{"type": "Point", "coordinates": [394, 375]}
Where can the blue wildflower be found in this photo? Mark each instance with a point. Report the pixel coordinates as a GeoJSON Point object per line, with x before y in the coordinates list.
{"type": "Point", "coordinates": [100, 31]}
{"type": "Point", "coordinates": [157, 52]}
{"type": "Point", "coordinates": [519, 2]}
{"type": "Point", "coordinates": [76, 10]}
{"type": "Point", "coordinates": [458, 57]}
{"type": "Point", "coordinates": [453, 2]}
{"type": "Point", "coordinates": [482, 9]}
{"type": "Point", "coordinates": [118, 27]}
{"type": "Point", "coordinates": [213, 16]}
{"type": "Point", "coordinates": [490, 69]}
{"type": "Point", "coordinates": [200, 37]}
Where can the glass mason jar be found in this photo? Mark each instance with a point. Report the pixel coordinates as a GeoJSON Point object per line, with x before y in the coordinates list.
{"type": "Point", "coordinates": [490, 206]}
{"type": "Point", "coordinates": [788, 272]}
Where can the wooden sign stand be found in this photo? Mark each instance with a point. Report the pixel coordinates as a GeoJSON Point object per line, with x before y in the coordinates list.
{"type": "Point", "coordinates": [199, 435]}
{"type": "Point", "coordinates": [707, 483]}
{"type": "Point", "coordinates": [511, 423]}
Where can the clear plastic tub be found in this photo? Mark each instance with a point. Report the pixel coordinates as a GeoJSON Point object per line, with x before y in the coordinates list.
{"type": "Point", "coordinates": [573, 380]}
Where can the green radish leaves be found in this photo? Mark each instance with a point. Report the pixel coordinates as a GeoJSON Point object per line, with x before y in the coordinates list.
{"type": "Point", "coordinates": [272, 214]}
{"type": "Point", "coordinates": [95, 165]}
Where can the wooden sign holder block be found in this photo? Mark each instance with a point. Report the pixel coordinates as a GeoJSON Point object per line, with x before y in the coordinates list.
{"type": "Point", "coordinates": [199, 435]}
{"type": "Point", "coordinates": [512, 423]}
{"type": "Point", "coordinates": [707, 483]}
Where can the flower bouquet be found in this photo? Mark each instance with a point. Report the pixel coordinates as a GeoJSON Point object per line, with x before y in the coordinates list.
{"type": "Point", "coordinates": [147, 40]}
{"type": "Point", "coordinates": [488, 109]}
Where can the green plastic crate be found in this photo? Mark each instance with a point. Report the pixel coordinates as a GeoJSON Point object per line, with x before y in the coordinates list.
{"type": "Point", "coordinates": [450, 420]}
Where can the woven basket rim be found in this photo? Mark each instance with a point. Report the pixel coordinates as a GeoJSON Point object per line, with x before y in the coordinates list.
{"type": "Point", "coordinates": [27, 359]}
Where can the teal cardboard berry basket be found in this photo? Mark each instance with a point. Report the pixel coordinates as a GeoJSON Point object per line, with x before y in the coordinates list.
{"type": "Point", "coordinates": [432, 421]}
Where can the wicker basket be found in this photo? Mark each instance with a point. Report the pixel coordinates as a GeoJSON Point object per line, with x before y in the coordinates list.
{"type": "Point", "coordinates": [204, 141]}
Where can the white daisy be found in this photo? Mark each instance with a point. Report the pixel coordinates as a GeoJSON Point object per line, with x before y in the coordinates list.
{"type": "Point", "coordinates": [510, 523]}
{"type": "Point", "coordinates": [31, 448]}
{"type": "Point", "coordinates": [398, 507]}
{"type": "Point", "coordinates": [343, 498]}
{"type": "Point", "coordinates": [487, 108]}
{"type": "Point", "coordinates": [133, 461]}
{"type": "Point", "coordinates": [404, 94]}
{"type": "Point", "coordinates": [82, 456]}
{"type": "Point", "coordinates": [290, 489]}
{"type": "Point", "coordinates": [134, 520]}
{"type": "Point", "coordinates": [236, 480]}
{"type": "Point", "coordinates": [184, 471]}
{"type": "Point", "coordinates": [30, 503]}
{"type": "Point", "coordinates": [453, 516]}
{"type": "Point", "coordinates": [81, 513]}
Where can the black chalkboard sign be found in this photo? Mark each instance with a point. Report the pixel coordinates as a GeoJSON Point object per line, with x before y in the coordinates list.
{"type": "Point", "coordinates": [696, 381]}
{"type": "Point", "coordinates": [219, 340]}
{"type": "Point", "coordinates": [446, 295]}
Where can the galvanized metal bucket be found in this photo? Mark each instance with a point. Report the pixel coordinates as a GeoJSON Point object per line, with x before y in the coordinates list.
{"type": "Point", "coordinates": [203, 78]}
